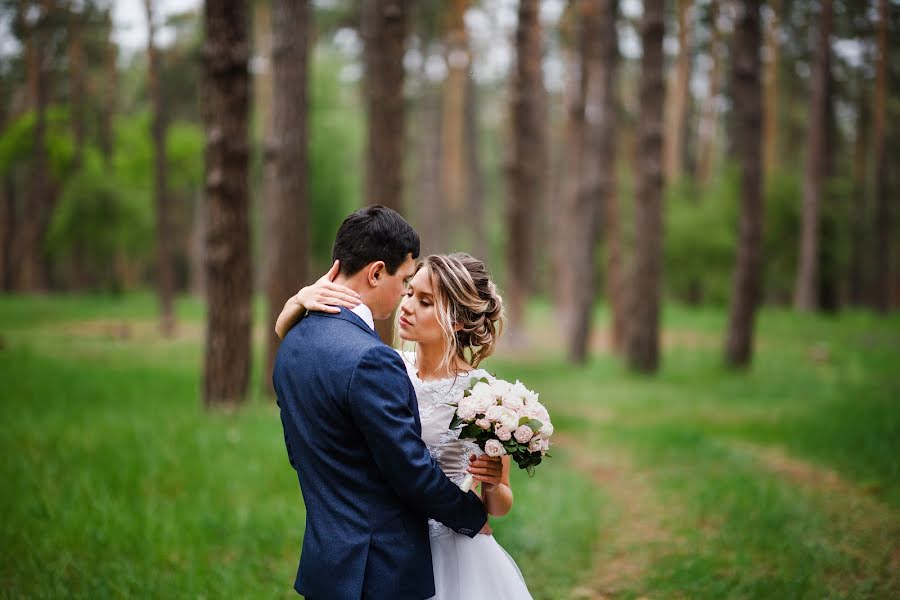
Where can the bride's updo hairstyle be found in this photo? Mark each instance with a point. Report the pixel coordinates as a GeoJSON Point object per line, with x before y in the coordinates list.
{"type": "Point", "coordinates": [467, 304]}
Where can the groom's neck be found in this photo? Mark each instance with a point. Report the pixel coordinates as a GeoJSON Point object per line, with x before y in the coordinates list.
{"type": "Point", "coordinates": [358, 284]}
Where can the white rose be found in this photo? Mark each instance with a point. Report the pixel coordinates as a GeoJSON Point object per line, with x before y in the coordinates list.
{"type": "Point", "coordinates": [514, 402]}
{"type": "Point", "coordinates": [509, 418]}
{"type": "Point", "coordinates": [483, 423]}
{"type": "Point", "coordinates": [466, 409]}
{"type": "Point", "coordinates": [482, 389]}
{"type": "Point", "coordinates": [547, 429]}
{"type": "Point", "coordinates": [523, 434]}
{"type": "Point", "coordinates": [482, 402]}
{"type": "Point", "coordinates": [493, 413]}
{"type": "Point", "coordinates": [502, 432]}
{"type": "Point", "coordinates": [500, 388]}
{"type": "Point", "coordinates": [494, 448]}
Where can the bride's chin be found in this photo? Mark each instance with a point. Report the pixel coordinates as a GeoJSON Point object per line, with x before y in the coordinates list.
{"type": "Point", "coordinates": [405, 336]}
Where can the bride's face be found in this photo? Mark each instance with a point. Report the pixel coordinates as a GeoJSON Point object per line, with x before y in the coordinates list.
{"type": "Point", "coordinates": [418, 317]}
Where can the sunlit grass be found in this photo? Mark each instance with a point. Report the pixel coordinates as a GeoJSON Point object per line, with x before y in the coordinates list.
{"type": "Point", "coordinates": [118, 483]}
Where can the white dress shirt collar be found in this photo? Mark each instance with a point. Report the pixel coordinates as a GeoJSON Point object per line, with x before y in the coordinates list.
{"type": "Point", "coordinates": [363, 312]}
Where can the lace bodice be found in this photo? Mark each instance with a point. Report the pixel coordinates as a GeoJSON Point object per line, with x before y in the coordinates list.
{"type": "Point", "coordinates": [451, 453]}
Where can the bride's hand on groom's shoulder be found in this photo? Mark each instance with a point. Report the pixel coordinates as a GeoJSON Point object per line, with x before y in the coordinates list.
{"type": "Point", "coordinates": [325, 295]}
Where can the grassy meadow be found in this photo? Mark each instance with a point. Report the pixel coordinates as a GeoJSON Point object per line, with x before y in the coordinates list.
{"type": "Point", "coordinates": [779, 482]}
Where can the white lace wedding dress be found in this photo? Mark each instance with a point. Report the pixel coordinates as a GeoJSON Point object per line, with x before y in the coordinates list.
{"type": "Point", "coordinates": [464, 568]}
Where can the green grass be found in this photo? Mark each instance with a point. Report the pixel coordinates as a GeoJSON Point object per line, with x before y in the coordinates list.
{"type": "Point", "coordinates": [118, 484]}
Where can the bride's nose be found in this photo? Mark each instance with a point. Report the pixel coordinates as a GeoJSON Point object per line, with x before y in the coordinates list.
{"type": "Point", "coordinates": [404, 305]}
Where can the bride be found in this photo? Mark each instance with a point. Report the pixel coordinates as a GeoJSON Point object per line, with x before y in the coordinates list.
{"type": "Point", "coordinates": [452, 314]}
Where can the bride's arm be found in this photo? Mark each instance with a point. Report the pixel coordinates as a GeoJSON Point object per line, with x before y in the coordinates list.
{"type": "Point", "coordinates": [323, 295]}
{"type": "Point", "coordinates": [496, 492]}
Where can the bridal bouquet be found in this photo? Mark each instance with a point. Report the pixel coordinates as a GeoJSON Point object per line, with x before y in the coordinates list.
{"type": "Point", "coordinates": [504, 418]}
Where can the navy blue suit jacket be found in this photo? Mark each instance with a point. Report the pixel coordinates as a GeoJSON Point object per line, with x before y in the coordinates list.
{"type": "Point", "coordinates": [352, 431]}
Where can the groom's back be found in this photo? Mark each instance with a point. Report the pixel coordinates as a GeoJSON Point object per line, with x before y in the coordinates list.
{"type": "Point", "coordinates": [348, 501]}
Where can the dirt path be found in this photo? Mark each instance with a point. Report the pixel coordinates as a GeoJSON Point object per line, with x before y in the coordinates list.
{"type": "Point", "coordinates": [861, 526]}
{"type": "Point", "coordinates": [633, 524]}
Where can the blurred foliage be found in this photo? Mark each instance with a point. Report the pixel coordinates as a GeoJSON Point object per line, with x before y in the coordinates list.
{"type": "Point", "coordinates": [17, 142]}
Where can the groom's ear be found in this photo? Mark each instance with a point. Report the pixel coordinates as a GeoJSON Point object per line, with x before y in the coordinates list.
{"type": "Point", "coordinates": [376, 272]}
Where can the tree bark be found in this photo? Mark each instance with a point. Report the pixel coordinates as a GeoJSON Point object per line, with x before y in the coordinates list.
{"type": "Point", "coordinates": [882, 263]}
{"type": "Point", "coordinates": [805, 292]}
{"type": "Point", "coordinates": [859, 211]}
{"type": "Point", "coordinates": [109, 91]}
{"type": "Point", "coordinates": [39, 204]}
{"type": "Point", "coordinates": [229, 279]}
{"type": "Point", "coordinates": [76, 82]}
{"type": "Point", "coordinates": [642, 345]}
{"type": "Point", "coordinates": [678, 98]}
{"type": "Point", "coordinates": [709, 116]}
{"type": "Point", "coordinates": [384, 25]}
{"type": "Point", "coordinates": [454, 174]}
{"type": "Point", "coordinates": [770, 114]}
{"type": "Point", "coordinates": [747, 99]}
{"type": "Point", "coordinates": [288, 202]}
{"type": "Point", "coordinates": [598, 172]}
{"type": "Point", "coordinates": [527, 167]}
{"type": "Point", "coordinates": [473, 167]}
{"type": "Point", "coordinates": [165, 269]}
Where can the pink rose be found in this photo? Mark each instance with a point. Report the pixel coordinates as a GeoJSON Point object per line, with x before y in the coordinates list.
{"type": "Point", "coordinates": [536, 444]}
{"type": "Point", "coordinates": [523, 434]}
{"type": "Point", "coordinates": [494, 448]}
{"type": "Point", "coordinates": [466, 409]}
{"type": "Point", "coordinates": [483, 423]}
{"type": "Point", "coordinates": [493, 413]}
{"type": "Point", "coordinates": [502, 432]}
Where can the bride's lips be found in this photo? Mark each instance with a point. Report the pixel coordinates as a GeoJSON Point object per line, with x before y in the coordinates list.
{"type": "Point", "coordinates": [404, 322]}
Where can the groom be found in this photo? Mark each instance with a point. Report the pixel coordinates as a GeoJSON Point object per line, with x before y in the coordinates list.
{"type": "Point", "coordinates": [352, 430]}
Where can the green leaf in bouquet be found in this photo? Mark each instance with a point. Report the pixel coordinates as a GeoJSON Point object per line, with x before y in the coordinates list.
{"type": "Point", "coordinates": [530, 470]}
{"type": "Point", "coordinates": [470, 431]}
{"type": "Point", "coordinates": [455, 421]}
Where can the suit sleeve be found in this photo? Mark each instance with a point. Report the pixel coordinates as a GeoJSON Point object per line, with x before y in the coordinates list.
{"type": "Point", "coordinates": [379, 405]}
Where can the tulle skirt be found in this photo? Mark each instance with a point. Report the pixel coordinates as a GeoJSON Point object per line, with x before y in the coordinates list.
{"type": "Point", "coordinates": [473, 568]}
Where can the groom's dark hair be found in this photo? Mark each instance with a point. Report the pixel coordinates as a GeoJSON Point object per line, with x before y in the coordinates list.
{"type": "Point", "coordinates": [374, 233]}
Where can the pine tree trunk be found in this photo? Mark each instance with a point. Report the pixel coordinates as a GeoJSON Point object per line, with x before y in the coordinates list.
{"type": "Point", "coordinates": [228, 273]}
{"type": "Point", "coordinates": [109, 91]}
{"type": "Point", "coordinates": [858, 213]}
{"type": "Point", "coordinates": [805, 292]}
{"type": "Point", "coordinates": [642, 345]}
{"type": "Point", "coordinates": [598, 172]}
{"type": "Point", "coordinates": [678, 97]}
{"type": "Point", "coordinates": [882, 265]}
{"type": "Point", "coordinates": [527, 168]}
{"type": "Point", "coordinates": [288, 203]}
{"type": "Point", "coordinates": [76, 83]}
{"type": "Point", "coordinates": [709, 114]}
{"type": "Point", "coordinates": [569, 177]}
{"type": "Point", "coordinates": [747, 99]}
{"type": "Point", "coordinates": [165, 269]}
{"type": "Point", "coordinates": [770, 114]}
{"type": "Point", "coordinates": [475, 203]}
{"type": "Point", "coordinates": [39, 204]}
{"type": "Point", "coordinates": [384, 32]}
{"type": "Point", "coordinates": [454, 175]}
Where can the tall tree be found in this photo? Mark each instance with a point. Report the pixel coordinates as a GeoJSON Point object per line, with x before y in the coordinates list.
{"type": "Point", "coordinates": [384, 25]}
{"type": "Point", "coordinates": [526, 171]}
{"type": "Point", "coordinates": [287, 185]}
{"type": "Point", "coordinates": [678, 97]}
{"type": "Point", "coordinates": [229, 281]}
{"type": "Point", "coordinates": [770, 114]}
{"type": "Point", "coordinates": [165, 269]}
{"type": "Point", "coordinates": [109, 87]}
{"type": "Point", "coordinates": [32, 273]}
{"type": "Point", "coordinates": [859, 212]}
{"type": "Point", "coordinates": [882, 263]}
{"type": "Point", "coordinates": [709, 115]}
{"type": "Point", "coordinates": [76, 80]}
{"type": "Point", "coordinates": [805, 292]}
{"type": "Point", "coordinates": [642, 340]}
{"type": "Point", "coordinates": [473, 167]}
{"type": "Point", "coordinates": [598, 172]}
{"type": "Point", "coordinates": [747, 100]}
{"type": "Point", "coordinates": [454, 172]}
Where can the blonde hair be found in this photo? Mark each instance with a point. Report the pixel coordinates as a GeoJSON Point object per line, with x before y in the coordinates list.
{"type": "Point", "coordinates": [468, 307]}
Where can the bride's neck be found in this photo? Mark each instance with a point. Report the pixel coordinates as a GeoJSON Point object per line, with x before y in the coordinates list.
{"type": "Point", "coordinates": [428, 361]}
